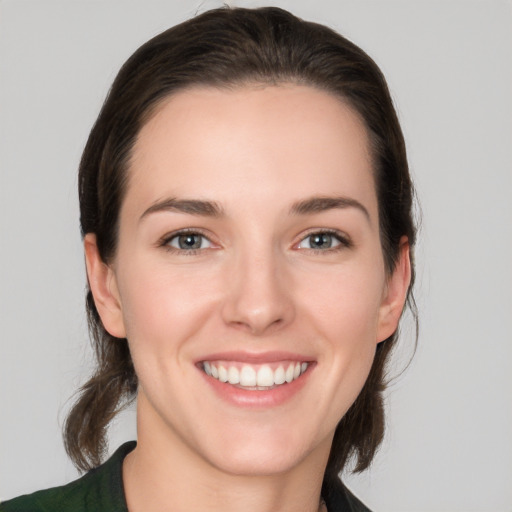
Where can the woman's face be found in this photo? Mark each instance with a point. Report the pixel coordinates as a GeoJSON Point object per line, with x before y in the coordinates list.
{"type": "Point", "coordinates": [249, 251]}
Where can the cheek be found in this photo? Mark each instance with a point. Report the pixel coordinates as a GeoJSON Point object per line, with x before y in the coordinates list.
{"type": "Point", "coordinates": [345, 314]}
{"type": "Point", "coordinates": [161, 306]}
{"type": "Point", "coordinates": [346, 303]}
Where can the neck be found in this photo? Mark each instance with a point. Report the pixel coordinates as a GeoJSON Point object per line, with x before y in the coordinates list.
{"type": "Point", "coordinates": [164, 475]}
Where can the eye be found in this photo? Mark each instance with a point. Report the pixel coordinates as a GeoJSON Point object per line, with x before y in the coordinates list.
{"type": "Point", "coordinates": [188, 241]}
{"type": "Point", "coordinates": [323, 241]}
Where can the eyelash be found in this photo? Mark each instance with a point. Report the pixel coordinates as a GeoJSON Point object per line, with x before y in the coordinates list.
{"type": "Point", "coordinates": [343, 239]}
{"type": "Point", "coordinates": [166, 240]}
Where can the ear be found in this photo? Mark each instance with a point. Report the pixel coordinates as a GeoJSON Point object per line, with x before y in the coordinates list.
{"type": "Point", "coordinates": [395, 293]}
{"type": "Point", "coordinates": [102, 282]}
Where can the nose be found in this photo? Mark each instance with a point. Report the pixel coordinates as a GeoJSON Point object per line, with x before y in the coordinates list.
{"type": "Point", "coordinates": [258, 294]}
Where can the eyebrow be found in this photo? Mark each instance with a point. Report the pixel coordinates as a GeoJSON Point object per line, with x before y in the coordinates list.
{"type": "Point", "coordinates": [190, 206]}
{"type": "Point", "coordinates": [213, 209]}
{"type": "Point", "coordinates": [321, 204]}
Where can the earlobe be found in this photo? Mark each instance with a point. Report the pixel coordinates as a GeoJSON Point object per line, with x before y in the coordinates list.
{"type": "Point", "coordinates": [395, 294]}
{"type": "Point", "coordinates": [102, 282]}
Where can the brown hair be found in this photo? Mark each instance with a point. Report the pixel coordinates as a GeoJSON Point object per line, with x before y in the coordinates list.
{"type": "Point", "coordinates": [226, 48]}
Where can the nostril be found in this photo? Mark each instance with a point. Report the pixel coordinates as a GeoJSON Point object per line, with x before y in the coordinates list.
{"type": "Point", "coordinates": [259, 326]}
{"type": "Point", "coordinates": [256, 299]}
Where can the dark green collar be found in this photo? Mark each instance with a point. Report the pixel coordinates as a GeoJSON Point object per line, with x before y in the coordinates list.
{"type": "Point", "coordinates": [101, 490]}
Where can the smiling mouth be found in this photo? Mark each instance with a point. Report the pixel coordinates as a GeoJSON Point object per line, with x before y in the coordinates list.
{"type": "Point", "coordinates": [255, 377]}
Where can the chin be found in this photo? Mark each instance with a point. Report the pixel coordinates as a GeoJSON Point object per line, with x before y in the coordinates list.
{"type": "Point", "coordinates": [266, 454]}
{"type": "Point", "coordinates": [241, 463]}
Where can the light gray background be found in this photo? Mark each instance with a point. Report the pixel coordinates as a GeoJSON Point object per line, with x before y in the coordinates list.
{"type": "Point", "coordinates": [448, 63]}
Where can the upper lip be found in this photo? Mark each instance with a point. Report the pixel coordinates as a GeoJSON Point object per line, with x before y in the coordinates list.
{"type": "Point", "coordinates": [256, 357]}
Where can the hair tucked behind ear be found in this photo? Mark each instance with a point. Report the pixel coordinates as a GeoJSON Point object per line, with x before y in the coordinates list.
{"type": "Point", "coordinates": [228, 48]}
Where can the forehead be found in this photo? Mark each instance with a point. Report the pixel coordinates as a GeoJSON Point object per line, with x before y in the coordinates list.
{"type": "Point", "coordinates": [207, 140]}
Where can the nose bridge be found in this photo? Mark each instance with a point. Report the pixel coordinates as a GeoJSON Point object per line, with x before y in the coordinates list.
{"type": "Point", "coordinates": [257, 297]}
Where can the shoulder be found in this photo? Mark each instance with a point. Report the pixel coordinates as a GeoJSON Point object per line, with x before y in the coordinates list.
{"type": "Point", "coordinates": [99, 490]}
{"type": "Point", "coordinates": [339, 499]}
{"type": "Point", "coordinates": [73, 496]}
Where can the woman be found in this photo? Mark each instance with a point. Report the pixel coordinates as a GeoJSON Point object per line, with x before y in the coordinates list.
{"type": "Point", "coordinates": [246, 212]}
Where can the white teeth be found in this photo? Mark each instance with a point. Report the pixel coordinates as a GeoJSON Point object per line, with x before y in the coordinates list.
{"type": "Point", "coordinates": [248, 376]}
{"type": "Point", "coordinates": [233, 375]}
{"type": "Point", "coordinates": [223, 374]}
{"type": "Point", "coordinates": [280, 376]}
{"type": "Point", "coordinates": [265, 376]}
{"type": "Point", "coordinates": [289, 373]}
{"type": "Point", "coordinates": [261, 376]}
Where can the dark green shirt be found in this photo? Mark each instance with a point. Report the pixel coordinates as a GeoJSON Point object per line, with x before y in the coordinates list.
{"type": "Point", "coordinates": [101, 490]}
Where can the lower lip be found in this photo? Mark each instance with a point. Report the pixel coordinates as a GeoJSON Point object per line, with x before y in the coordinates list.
{"type": "Point", "coordinates": [253, 398]}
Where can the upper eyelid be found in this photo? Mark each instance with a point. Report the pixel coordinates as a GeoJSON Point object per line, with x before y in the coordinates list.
{"type": "Point", "coordinates": [344, 242]}
{"type": "Point", "coordinates": [342, 235]}
{"type": "Point", "coordinates": [184, 231]}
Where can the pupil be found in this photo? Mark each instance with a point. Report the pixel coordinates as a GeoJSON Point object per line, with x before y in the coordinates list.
{"type": "Point", "coordinates": [189, 242]}
{"type": "Point", "coordinates": [321, 241]}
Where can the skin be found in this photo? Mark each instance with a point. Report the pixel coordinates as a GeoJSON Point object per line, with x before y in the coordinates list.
{"type": "Point", "coordinates": [255, 286]}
